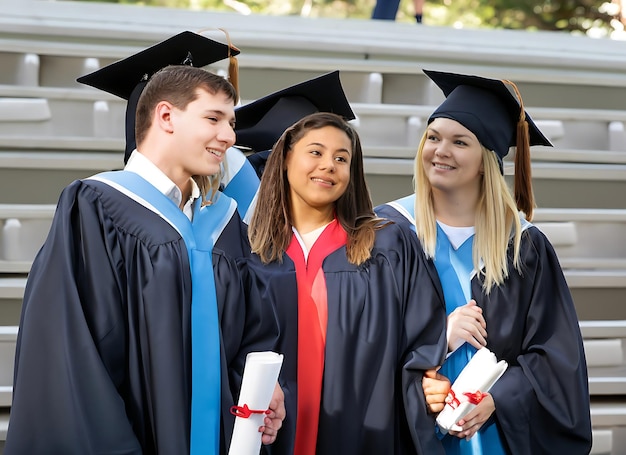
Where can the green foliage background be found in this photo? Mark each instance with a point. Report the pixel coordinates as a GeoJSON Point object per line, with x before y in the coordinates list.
{"type": "Point", "coordinates": [598, 18]}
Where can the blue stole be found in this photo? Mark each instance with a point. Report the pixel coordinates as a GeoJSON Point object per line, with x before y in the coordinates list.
{"type": "Point", "coordinates": [406, 207]}
{"type": "Point", "coordinates": [199, 237]}
{"type": "Point", "coordinates": [456, 269]}
{"type": "Point", "coordinates": [244, 184]}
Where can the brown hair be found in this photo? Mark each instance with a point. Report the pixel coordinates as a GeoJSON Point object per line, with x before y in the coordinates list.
{"type": "Point", "coordinates": [179, 85]}
{"type": "Point", "coordinates": [270, 229]}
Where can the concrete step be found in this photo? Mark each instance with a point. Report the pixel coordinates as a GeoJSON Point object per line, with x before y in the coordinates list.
{"type": "Point", "coordinates": [566, 185]}
{"type": "Point", "coordinates": [8, 338]}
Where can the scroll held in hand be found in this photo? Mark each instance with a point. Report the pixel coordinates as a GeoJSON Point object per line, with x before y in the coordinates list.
{"type": "Point", "coordinates": [260, 375]}
{"type": "Point", "coordinates": [476, 379]}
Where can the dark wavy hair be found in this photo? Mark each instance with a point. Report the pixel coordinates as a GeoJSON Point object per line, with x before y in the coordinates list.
{"type": "Point", "coordinates": [270, 229]}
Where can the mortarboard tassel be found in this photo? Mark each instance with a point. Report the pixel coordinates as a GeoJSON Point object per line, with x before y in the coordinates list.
{"type": "Point", "coordinates": [233, 66]}
{"type": "Point", "coordinates": [233, 74]}
{"type": "Point", "coordinates": [523, 189]}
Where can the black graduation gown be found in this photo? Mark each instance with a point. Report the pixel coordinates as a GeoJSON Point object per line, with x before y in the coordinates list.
{"type": "Point", "coordinates": [542, 400]}
{"type": "Point", "coordinates": [384, 329]}
{"type": "Point", "coordinates": [103, 361]}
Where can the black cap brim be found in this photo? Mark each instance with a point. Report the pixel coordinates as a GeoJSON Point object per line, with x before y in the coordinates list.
{"type": "Point", "coordinates": [484, 107]}
{"type": "Point", "coordinates": [120, 78]}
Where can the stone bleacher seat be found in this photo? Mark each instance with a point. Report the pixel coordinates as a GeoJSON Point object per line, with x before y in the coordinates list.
{"type": "Point", "coordinates": [593, 234]}
{"type": "Point", "coordinates": [54, 130]}
{"type": "Point", "coordinates": [390, 134]}
{"type": "Point", "coordinates": [23, 229]}
{"type": "Point", "coordinates": [556, 184]}
{"type": "Point", "coordinates": [8, 336]}
{"type": "Point", "coordinates": [60, 112]}
{"type": "Point", "coordinates": [591, 246]}
{"type": "Point", "coordinates": [48, 111]}
{"type": "Point", "coordinates": [604, 348]}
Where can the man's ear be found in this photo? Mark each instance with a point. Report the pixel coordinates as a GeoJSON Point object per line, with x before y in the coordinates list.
{"type": "Point", "coordinates": [163, 116]}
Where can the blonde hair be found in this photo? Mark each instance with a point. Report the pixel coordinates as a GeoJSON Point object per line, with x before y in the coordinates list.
{"type": "Point", "coordinates": [209, 186]}
{"type": "Point", "coordinates": [497, 220]}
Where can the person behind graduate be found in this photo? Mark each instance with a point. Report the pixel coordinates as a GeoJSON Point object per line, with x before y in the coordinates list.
{"type": "Point", "coordinates": [356, 333]}
{"type": "Point", "coordinates": [502, 282]}
{"type": "Point", "coordinates": [135, 322]}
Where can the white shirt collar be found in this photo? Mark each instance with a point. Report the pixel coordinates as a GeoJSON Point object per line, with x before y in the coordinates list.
{"type": "Point", "coordinates": [457, 235]}
{"type": "Point", "coordinates": [141, 165]}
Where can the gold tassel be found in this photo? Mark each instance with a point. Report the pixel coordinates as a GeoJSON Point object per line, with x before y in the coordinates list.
{"type": "Point", "coordinates": [233, 66]}
{"type": "Point", "coordinates": [233, 74]}
{"type": "Point", "coordinates": [233, 63]}
{"type": "Point", "coordinates": [523, 189]}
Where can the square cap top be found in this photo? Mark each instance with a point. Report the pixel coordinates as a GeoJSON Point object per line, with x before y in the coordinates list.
{"type": "Point", "coordinates": [121, 77]}
{"type": "Point", "coordinates": [261, 123]}
{"type": "Point", "coordinates": [487, 108]}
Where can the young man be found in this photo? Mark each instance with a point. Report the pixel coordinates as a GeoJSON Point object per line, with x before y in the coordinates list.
{"type": "Point", "coordinates": [135, 322]}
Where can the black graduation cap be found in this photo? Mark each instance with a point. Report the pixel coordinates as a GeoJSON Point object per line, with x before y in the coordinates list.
{"type": "Point", "coordinates": [487, 108]}
{"type": "Point", "coordinates": [497, 117]}
{"type": "Point", "coordinates": [260, 123]}
{"type": "Point", "coordinates": [126, 78]}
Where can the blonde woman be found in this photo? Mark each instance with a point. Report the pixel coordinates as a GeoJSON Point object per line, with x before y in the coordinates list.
{"type": "Point", "coordinates": [501, 279]}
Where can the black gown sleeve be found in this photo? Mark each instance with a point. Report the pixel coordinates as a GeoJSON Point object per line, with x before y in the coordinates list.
{"type": "Point", "coordinates": [65, 399]}
{"type": "Point", "coordinates": [542, 400]}
{"type": "Point", "coordinates": [424, 325]}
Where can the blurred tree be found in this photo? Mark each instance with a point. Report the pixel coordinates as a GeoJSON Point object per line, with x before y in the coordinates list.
{"type": "Point", "coordinates": [592, 17]}
{"type": "Point", "coordinates": [565, 15]}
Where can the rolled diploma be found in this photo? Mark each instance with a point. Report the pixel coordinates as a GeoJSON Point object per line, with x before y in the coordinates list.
{"type": "Point", "coordinates": [479, 375]}
{"type": "Point", "coordinates": [260, 375]}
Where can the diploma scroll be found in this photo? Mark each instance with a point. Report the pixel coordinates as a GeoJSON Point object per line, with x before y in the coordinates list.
{"type": "Point", "coordinates": [260, 375]}
{"type": "Point", "coordinates": [477, 378]}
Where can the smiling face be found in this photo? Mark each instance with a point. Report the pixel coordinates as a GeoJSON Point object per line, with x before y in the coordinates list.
{"type": "Point", "coordinates": [452, 158]}
{"type": "Point", "coordinates": [318, 168]}
{"type": "Point", "coordinates": [203, 132]}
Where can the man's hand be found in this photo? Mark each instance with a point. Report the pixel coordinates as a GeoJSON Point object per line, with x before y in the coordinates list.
{"type": "Point", "coordinates": [274, 419]}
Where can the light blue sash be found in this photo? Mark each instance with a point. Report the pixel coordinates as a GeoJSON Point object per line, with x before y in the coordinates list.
{"type": "Point", "coordinates": [241, 182]}
{"type": "Point", "coordinates": [199, 238]}
{"type": "Point", "coordinates": [243, 188]}
{"type": "Point", "coordinates": [455, 269]}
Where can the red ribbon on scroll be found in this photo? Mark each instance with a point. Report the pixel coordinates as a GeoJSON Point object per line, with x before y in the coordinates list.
{"type": "Point", "coordinates": [245, 412]}
{"type": "Point", "coordinates": [473, 398]}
